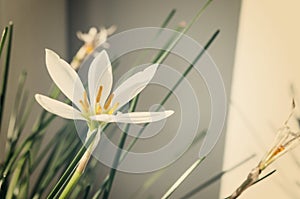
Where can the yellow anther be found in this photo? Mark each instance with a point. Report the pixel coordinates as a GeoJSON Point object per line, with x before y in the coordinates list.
{"type": "Point", "coordinates": [108, 101]}
{"type": "Point", "coordinates": [98, 109]}
{"type": "Point", "coordinates": [99, 94]}
{"type": "Point", "coordinates": [86, 102]}
{"type": "Point", "coordinates": [112, 110]}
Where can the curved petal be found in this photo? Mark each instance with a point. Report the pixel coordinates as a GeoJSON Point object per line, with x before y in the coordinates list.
{"type": "Point", "coordinates": [101, 37]}
{"type": "Point", "coordinates": [58, 108]}
{"type": "Point", "coordinates": [134, 117]}
{"type": "Point", "coordinates": [111, 29]}
{"type": "Point", "coordinates": [87, 38]}
{"type": "Point", "coordinates": [100, 74]}
{"type": "Point", "coordinates": [133, 85]}
{"type": "Point", "coordinates": [65, 77]}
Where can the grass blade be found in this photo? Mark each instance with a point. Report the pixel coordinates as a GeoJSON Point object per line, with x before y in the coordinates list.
{"type": "Point", "coordinates": [182, 178]}
{"type": "Point", "coordinates": [70, 168]}
{"type": "Point", "coordinates": [186, 72]}
{"type": "Point", "coordinates": [159, 60]}
{"type": "Point", "coordinates": [3, 39]}
{"type": "Point", "coordinates": [189, 25]}
{"type": "Point", "coordinates": [149, 182]}
{"type": "Point", "coordinates": [168, 95]}
{"type": "Point", "coordinates": [6, 72]}
{"type": "Point", "coordinates": [168, 19]}
{"type": "Point", "coordinates": [12, 132]}
{"type": "Point", "coordinates": [215, 178]}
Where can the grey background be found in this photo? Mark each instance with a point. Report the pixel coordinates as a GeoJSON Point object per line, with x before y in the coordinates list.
{"type": "Point", "coordinates": [53, 24]}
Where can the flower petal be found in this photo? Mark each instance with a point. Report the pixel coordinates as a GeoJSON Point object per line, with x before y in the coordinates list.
{"type": "Point", "coordinates": [111, 29]}
{"type": "Point", "coordinates": [58, 108]}
{"type": "Point", "coordinates": [65, 77]}
{"type": "Point", "coordinates": [134, 117]}
{"type": "Point", "coordinates": [100, 73]}
{"type": "Point", "coordinates": [133, 85]}
{"type": "Point", "coordinates": [89, 37]}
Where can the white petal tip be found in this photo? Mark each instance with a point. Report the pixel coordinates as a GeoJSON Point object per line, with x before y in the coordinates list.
{"type": "Point", "coordinates": [151, 70]}
{"type": "Point", "coordinates": [169, 113]}
{"type": "Point", "coordinates": [37, 97]}
{"type": "Point", "coordinates": [50, 54]}
{"type": "Point", "coordinates": [154, 66]}
{"type": "Point", "coordinates": [40, 99]}
{"type": "Point", "coordinates": [104, 53]}
{"type": "Point", "coordinates": [48, 51]}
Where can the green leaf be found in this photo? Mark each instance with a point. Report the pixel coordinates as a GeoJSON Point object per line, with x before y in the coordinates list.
{"type": "Point", "coordinates": [156, 176]}
{"type": "Point", "coordinates": [3, 39]}
{"type": "Point", "coordinates": [5, 69]}
{"type": "Point", "coordinates": [71, 167]}
{"type": "Point", "coordinates": [13, 126]}
{"type": "Point", "coordinates": [182, 178]}
{"type": "Point", "coordinates": [16, 176]}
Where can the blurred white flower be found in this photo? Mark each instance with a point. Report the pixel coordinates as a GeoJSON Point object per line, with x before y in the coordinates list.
{"type": "Point", "coordinates": [91, 40]}
{"type": "Point", "coordinates": [100, 105]}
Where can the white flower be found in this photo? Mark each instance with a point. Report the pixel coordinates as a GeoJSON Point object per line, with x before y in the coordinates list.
{"type": "Point", "coordinates": [100, 105]}
{"type": "Point", "coordinates": [94, 38]}
{"type": "Point", "coordinates": [91, 40]}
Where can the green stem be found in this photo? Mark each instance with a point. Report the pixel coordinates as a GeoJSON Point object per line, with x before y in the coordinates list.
{"type": "Point", "coordinates": [73, 181]}
{"type": "Point", "coordinates": [59, 185]}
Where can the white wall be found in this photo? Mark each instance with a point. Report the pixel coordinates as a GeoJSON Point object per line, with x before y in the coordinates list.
{"type": "Point", "coordinates": [267, 63]}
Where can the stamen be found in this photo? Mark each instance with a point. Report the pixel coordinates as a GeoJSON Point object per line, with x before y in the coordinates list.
{"type": "Point", "coordinates": [98, 109]}
{"type": "Point", "coordinates": [112, 110]}
{"type": "Point", "coordinates": [86, 102]}
{"type": "Point", "coordinates": [99, 94]}
{"type": "Point", "coordinates": [83, 106]}
{"type": "Point", "coordinates": [107, 104]}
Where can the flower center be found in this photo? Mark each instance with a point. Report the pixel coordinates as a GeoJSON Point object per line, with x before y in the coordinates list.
{"type": "Point", "coordinates": [108, 108]}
